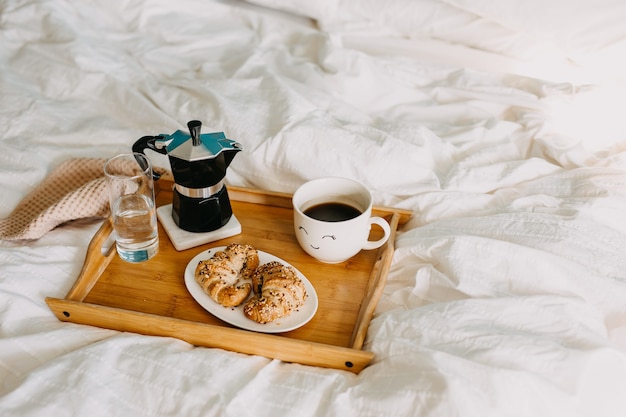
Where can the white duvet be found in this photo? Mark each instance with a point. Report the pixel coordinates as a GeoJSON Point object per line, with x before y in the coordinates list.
{"type": "Point", "coordinates": [507, 290]}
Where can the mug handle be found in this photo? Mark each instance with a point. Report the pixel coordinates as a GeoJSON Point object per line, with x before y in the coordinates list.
{"type": "Point", "coordinates": [383, 225]}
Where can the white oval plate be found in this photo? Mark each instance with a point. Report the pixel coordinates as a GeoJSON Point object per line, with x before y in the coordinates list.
{"type": "Point", "coordinates": [234, 315]}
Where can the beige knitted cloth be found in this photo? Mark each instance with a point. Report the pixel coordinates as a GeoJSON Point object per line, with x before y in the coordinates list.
{"type": "Point", "coordinates": [76, 189]}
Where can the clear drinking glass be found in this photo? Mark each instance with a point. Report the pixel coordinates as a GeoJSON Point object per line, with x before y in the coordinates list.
{"type": "Point", "coordinates": [133, 210]}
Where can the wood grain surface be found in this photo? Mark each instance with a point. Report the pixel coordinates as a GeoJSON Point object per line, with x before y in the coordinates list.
{"type": "Point", "coordinates": [151, 297]}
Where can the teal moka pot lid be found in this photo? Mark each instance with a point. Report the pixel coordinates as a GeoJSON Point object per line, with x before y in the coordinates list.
{"type": "Point", "coordinates": [196, 146]}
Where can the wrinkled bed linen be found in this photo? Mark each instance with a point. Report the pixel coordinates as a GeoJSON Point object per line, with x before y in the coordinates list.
{"type": "Point", "coordinates": [556, 40]}
{"type": "Point", "coordinates": [506, 291]}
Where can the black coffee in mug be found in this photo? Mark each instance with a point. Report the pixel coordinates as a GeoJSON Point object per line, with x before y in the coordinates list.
{"type": "Point", "coordinates": [332, 212]}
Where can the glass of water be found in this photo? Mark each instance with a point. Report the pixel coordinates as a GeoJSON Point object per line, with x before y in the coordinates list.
{"type": "Point", "coordinates": [133, 210]}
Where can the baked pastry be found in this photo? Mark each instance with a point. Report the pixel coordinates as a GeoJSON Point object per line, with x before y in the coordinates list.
{"type": "Point", "coordinates": [279, 291]}
{"type": "Point", "coordinates": [226, 276]}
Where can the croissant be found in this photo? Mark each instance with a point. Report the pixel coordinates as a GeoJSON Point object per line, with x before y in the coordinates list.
{"type": "Point", "coordinates": [279, 291]}
{"type": "Point", "coordinates": [226, 276]}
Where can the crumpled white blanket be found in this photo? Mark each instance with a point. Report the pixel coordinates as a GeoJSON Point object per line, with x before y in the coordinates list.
{"type": "Point", "coordinates": [506, 291]}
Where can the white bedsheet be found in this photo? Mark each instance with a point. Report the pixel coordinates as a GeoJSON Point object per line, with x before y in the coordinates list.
{"type": "Point", "coordinates": [507, 290]}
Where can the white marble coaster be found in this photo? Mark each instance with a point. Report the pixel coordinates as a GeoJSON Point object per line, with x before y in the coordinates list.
{"type": "Point", "coordinates": [182, 239]}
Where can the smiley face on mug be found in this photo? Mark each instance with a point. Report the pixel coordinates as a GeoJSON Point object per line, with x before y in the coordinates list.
{"type": "Point", "coordinates": [317, 243]}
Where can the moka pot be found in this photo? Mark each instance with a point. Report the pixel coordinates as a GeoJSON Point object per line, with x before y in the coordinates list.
{"type": "Point", "coordinates": [198, 162]}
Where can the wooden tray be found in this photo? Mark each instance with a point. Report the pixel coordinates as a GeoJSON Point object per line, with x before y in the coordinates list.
{"type": "Point", "coordinates": [150, 298]}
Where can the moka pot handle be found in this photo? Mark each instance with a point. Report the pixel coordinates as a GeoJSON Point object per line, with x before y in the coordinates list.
{"type": "Point", "coordinates": [148, 142]}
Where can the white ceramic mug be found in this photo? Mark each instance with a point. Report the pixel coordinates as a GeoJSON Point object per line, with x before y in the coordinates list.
{"type": "Point", "coordinates": [331, 238]}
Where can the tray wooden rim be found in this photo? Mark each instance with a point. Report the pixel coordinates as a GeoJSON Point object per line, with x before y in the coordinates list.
{"type": "Point", "coordinates": [72, 308]}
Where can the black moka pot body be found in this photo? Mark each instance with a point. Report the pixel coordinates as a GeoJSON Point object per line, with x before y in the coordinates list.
{"type": "Point", "coordinates": [200, 200]}
{"type": "Point", "coordinates": [200, 211]}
